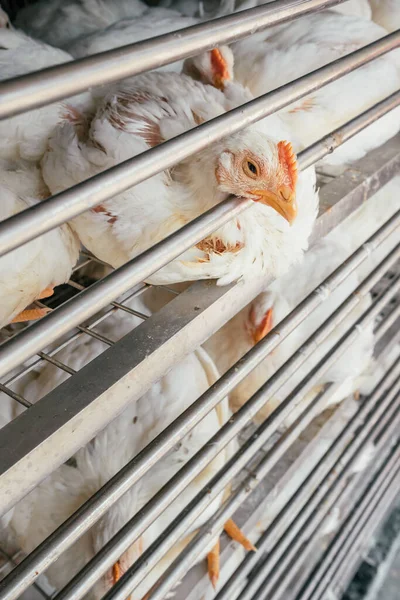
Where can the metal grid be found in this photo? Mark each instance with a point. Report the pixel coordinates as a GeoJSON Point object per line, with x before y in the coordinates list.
{"type": "Point", "coordinates": [201, 304]}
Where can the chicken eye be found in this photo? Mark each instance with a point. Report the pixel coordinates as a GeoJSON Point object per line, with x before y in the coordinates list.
{"type": "Point", "coordinates": [250, 169]}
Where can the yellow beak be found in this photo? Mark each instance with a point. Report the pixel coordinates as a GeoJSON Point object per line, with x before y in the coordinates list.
{"type": "Point", "coordinates": [283, 201]}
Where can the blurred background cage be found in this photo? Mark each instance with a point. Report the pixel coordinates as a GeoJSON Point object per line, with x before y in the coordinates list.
{"type": "Point", "coordinates": [311, 494]}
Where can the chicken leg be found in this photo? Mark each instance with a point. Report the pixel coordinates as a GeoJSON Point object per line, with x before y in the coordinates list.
{"type": "Point", "coordinates": [213, 557]}
{"type": "Point", "coordinates": [31, 314]}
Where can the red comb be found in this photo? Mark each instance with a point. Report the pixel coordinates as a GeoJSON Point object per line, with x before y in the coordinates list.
{"type": "Point", "coordinates": [219, 67]}
{"type": "Point", "coordinates": [287, 159]}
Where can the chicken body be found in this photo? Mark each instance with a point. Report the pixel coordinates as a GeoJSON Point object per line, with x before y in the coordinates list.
{"type": "Point", "coordinates": [46, 507]}
{"type": "Point", "coordinates": [141, 113]}
{"type": "Point", "coordinates": [25, 136]}
{"type": "Point", "coordinates": [39, 265]}
{"type": "Point", "coordinates": [266, 62]}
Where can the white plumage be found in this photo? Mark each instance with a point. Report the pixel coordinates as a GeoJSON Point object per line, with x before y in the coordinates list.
{"type": "Point", "coordinates": [25, 136]}
{"type": "Point", "coordinates": [37, 515]}
{"type": "Point", "coordinates": [141, 113]}
{"type": "Point", "coordinates": [60, 21]}
{"type": "Point", "coordinates": [33, 270]}
{"type": "Point", "coordinates": [264, 62]}
{"type": "Point", "coordinates": [386, 13]}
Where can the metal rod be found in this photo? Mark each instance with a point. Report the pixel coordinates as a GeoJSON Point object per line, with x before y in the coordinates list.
{"type": "Point", "coordinates": [54, 83]}
{"type": "Point", "coordinates": [199, 543]}
{"type": "Point", "coordinates": [81, 331]}
{"type": "Point", "coordinates": [17, 397]}
{"type": "Point", "coordinates": [321, 474]}
{"type": "Point", "coordinates": [333, 140]}
{"type": "Point", "coordinates": [277, 567]}
{"type": "Point", "coordinates": [50, 213]}
{"type": "Point", "coordinates": [94, 508]}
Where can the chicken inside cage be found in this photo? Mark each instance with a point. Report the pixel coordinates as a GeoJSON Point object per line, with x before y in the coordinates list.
{"type": "Point", "coordinates": [199, 296]}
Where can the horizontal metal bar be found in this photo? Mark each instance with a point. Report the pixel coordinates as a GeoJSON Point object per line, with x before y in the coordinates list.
{"type": "Point", "coordinates": [111, 492]}
{"type": "Point", "coordinates": [278, 565]}
{"type": "Point", "coordinates": [54, 83]}
{"type": "Point", "coordinates": [319, 478]}
{"type": "Point", "coordinates": [50, 213]}
{"type": "Point", "coordinates": [199, 543]}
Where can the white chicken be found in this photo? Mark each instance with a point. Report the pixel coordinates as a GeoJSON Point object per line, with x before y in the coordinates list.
{"type": "Point", "coordinates": [265, 62]}
{"type": "Point", "coordinates": [25, 136]}
{"type": "Point", "coordinates": [46, 507]}
{"type": "Point", "coordinates": [386, 13]}
{"type": "Point", "coordinates": [32, 271]}
{"type": "Point", "coordinates": [257, 163]}
{"type": "Point", "coordinates": [60, 21]}
{"type": "Point", "coordinates": [250, 325]}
